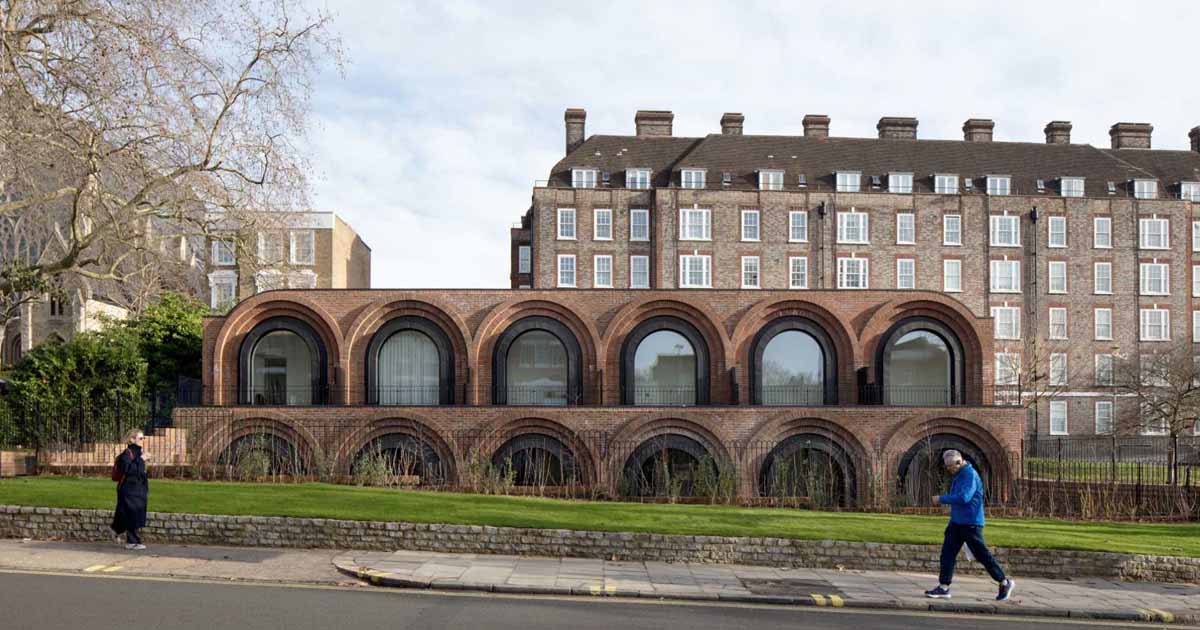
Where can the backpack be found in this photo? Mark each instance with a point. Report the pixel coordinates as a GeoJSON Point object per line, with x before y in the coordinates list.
{"type": "Point", "coordinates": [118, 475]}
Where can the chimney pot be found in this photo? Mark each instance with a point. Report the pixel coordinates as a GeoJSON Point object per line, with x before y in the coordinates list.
{"type": "Point", "coordinates": [653, 122]}
{"type": "Point", "coordinates": [1194, 136]}
{"type": "Point", "coordinates": [731, 123]}
{"type": "Point", "coordinates": [1126, 135]}
{"type": "Point", "coordinates": [816, 126]}
{"type": "Point", "coordinates": [575, 119]}
{"type": "Point", "coordinates": [1058, 132]}
{"type": "Point", "coordinates": [978, 130]}
{"type": "Point", "coordinates": [897, 127]}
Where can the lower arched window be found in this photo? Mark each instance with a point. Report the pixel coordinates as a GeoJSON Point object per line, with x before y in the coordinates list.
{"type": "Point", "coordinates": [920, 363]}
{"type": "Point", "coordinates": [282, 363]}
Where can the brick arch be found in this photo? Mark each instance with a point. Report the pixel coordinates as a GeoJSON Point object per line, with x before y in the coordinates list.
{"type": "Point", "coordinates": [908, 433]}
{"type": "Point", "coordinates": [631, 433]}
{"type": "Point", "coordinates": [498, 431]}
{"type": "Point", "coordinates": [771, 431]}
{"type": "Point", "coordinates": [260, 308]}
{"type": "Point", "coordinates": [697, 314]}
{"type": "Point", "coordinates": [359, 437]}
{"type": "Point", "coordinates": [508, 313]}
{"type": "Point", "coordinates": [975, 341]}
{"type": "Point", "coordinates": [762, 314]}
{"type": "Point", "coordinates": [370, 320]}
{"type": "Point", "coordinates": [218, 435]}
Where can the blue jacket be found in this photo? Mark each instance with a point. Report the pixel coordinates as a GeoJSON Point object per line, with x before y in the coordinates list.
{"type": "Point", "coordinates": [965, 498]}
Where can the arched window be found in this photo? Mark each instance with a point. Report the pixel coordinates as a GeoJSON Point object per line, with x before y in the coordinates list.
{"type": "Point", "coordinates": [793, 363]}
{"type": "Point", "coordinates": [410, 362]}
{"type": "Point", "coordinates": [537, 363]}
{"type": "Point", "coordinates": [920, 363]}
{"type": "Point", "coordinates": [664, 362]}
{"type": "Point", "coordinates": [282, 363]}
{"type": "Point", "coordinates": [809, 466]}
{"type": "Point", "coordinates": [671, 465]}
{"type": "Point", "coordinates": [537, 459]}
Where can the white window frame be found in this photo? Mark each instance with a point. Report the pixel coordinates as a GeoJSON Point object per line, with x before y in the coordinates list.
{"type": "Point", "coordinates": [1102, 238]}
{"type": "Point", "coordinates": [596, 270]}
{"type": "Point", "coordinates": [561, 268]}
{"type": "Point", "coordinates": [1056, 276]}
{"type": "Point", "coordinates": [302, 279]}
{"type": "Point", "coordinates": [1189, 191]}
{"type": "Point", "coordinates": [269, 280]}
{"type": "Point", "coordinates": [1007, 368]}
{"type": "Point", "coordinates": [910, 276]}
{"type": "Point", "coordinates": [1196, 236]}
{"type": "Point", "coordinates": [947, 265]}
{"type": "Point", "coordinates": [1102, 326]}
{"type": "Point", "coordinates": [705, 271]}
{"type": "Point", "coordinates": [945, 184]}
{"type": "Point", "coordinates": [1145, 326]}
{"type": "Point", "coordinates": [843, 227]}
{"type": "Point", "coordinates": [694, 178]}
{"type": "Point", "coordinates": [952, 236]}
{"type": "Point", "coordinates": [848, 181]}
{"type": "Point", "coordinates": [564, 213]}
{"type": "Point", "coordinates": [1056, 238]}
{"type": "Point", "coordinates": [900, 182]}
{"type": "Point", "coordinates": [1144, 234]}
{"type": "Point", "coordinates": [1058, 408]}
{"type": "Point", "coordinates": [798, 226]}
{"type": "Point", "coordinates": [223, 277]}
{"type": "Point", "coordinates": [863, 273]}
{"type": "Point", "coordinates": [637, 178]}
{"type": "Point", "coordinates": [263, 239]}
{"type": "Point", "coordinates": [220, 247]}
{"type": "Point", "coordinates": [751, 278]}
{"type": "Point", "coordinates": [1107, 405]}
{"type": "Point", "coordinates": [636, 232]}
{"type": "Point", "coordinates": [1195, 326]}
{"type": "Point", "coordinates": [1102, 369]}
{"type": "Point", "coordinates": [1102, 283]}
{"type": "Point", "coordinates": [294, 250]}
{"type": "Point", "coordinates": [634, 263]}
{"type": "Point", "coordinates": [1014, 268]}
{"type": "Point", "coordinates": [524, 259]}
{"type": "Point", "coordinates": [685, 225]}
{"type": "Point", "coordinates": [1010, 329]}
{"type": "Point", "coordinates": [906, 222]}
{"type": "Point", "coordinates": [798, 270]}
{"type": "Point", "coordinates": [999, 185]}
{"type": "Point", "coordinates": [1071, 186]}
{"type": "Point", "coordinates": [584, 177]}
{"type": "Point", "coordinates": [770, 179]}
{"type": "Point", "coordinates": [752, 230]}
{"type": "Point", "coordinates": [1145, 188]}
{"type": "Point", "coordinates": [1195, 280]}
{"type": "Point", "coordinates": [995, 224]}
{"type": "Point", "coordinates": [597, 214]}
{"type": "Point", "coordinates": [1148, 273]}
{"type": "Point", "coordinates": [1058, 369]}
{"type": "Point", "coordinates": [1058, 323]}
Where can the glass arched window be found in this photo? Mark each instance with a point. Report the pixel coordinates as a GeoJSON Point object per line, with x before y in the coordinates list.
{"type": "Point", "coordinates": [664, 370]}
{"type": "Point", "coordinates": [409, 370]}
{"type": "Point", "coordinates": [793, 370]}
{"type": "Point", "coordinates": [537, 370]}
{"type": "Point", "coordinates": [921, 364]}
{"type": "Point", "coordinates": [281, 370]}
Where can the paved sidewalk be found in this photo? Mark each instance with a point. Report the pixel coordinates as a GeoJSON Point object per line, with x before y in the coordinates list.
{"type": "Point", "coordinates": [1084, 598]}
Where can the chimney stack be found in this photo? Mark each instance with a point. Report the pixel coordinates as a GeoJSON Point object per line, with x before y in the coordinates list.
{"type": "Point", "coordinates": [731, 123]}
{"type": "Point", "coordinates": [897, 127]}
{"type": "Point", "coordinates": [1130, 135]}
{"type": "Point", "coordinates": [1194, 136]}
{"type": "Point", "coordinates": [653, 122]}
{"type": "Point", "coordinates": [1058, 132]}
{"type": "Point", "coordinates": [575, 121]}
{"type": "Point", "coordinates": [816, 126]}
{"type": "Point", "coordinates": [978, 130]}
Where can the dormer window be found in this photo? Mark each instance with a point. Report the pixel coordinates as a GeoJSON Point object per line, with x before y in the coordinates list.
{"type": "Point", "coordinates": [945, 184]}
{"type": "Point", "coordinates": [638, 178]}
{"type": "Point", "coordinates": [583, 177]}
{"type": "Point", "coordinates": [900, 182]}
{"type": "Point", "coordinates": [1071, 186]}
{"type": "Point", "coordinates": [998, 184]}
{"type": "Point", "coordinates": [849, 181]}
{"type": "Point", "coordinates": [1189, 191]}
{"type": "Point", "coordinates": [1145, 188]}
{"type": "Point", "coordinates": [770, 180]}
{"type": "Point", "coordinates": [691, 178]}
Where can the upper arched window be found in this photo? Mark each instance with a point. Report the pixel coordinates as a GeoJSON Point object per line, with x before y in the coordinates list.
{"type": "Point", "coordinates": [411, 362]}
{"type": "Point", "coordinates": [920, 363]}
{"type": "Point", "coordinates": [282, 363]}
{"type": "Point", "coordinates": [793, 363]}
{"type": "Point", "coordinates": [664, 362]}
{"type": "Point", "coordinates": [537, 362]}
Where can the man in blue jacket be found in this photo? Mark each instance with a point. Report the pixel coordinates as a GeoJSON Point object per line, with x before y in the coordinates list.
{"type": "Point", "coordinates": [966, 526]}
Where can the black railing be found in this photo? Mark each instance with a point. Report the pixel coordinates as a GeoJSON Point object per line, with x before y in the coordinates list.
{"type": "Point", "coordinates": [793, 395]}
{"type": "Point", "coordinates": [664, 396]}
{"type": "Point", "coordinates": [1125, 459]}
{"type": "Point", "coordinates": [553, 396]}
{"type": "Point", "coordinates": [919, 396]}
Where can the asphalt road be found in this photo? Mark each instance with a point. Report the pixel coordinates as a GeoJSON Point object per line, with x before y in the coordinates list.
{"type": "Point", "coordinates": [41, 602]}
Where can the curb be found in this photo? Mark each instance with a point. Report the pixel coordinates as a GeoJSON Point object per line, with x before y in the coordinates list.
{"type": "Point", "coordinates": [392, 580]}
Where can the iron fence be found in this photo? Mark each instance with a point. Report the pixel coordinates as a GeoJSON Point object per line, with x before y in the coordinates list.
{"type": "Point", "coordinates": [1135, 460]}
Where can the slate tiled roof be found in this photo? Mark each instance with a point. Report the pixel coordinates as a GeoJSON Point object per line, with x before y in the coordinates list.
{"type": "Point", "coordinates": [614, 154]}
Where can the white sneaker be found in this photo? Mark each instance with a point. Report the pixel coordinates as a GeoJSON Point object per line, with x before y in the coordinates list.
{"type": "Point", "coordinates": [135, 547]}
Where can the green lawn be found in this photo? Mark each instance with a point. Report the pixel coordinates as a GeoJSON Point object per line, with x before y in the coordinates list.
{"type": "Point", "coordinates": [371, 504]}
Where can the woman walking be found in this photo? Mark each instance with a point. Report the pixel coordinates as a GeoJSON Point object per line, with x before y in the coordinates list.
{"type": "Point", "coordinates": [132, 490]}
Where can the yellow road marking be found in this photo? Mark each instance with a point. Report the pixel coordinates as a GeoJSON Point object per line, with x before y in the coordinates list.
{"type": "Point", "coordinates": [595, 589]}
{"type": "Point", "coordinates": [111, 569]}
{"type": "Point", "coordinates": [820, 599]}
{"type": "Point", "coordinates": [1163, 615]}
{"type": "Point", "coordinates": [94, 568]}
{"type": "Point", "coordinates": [836, 601]}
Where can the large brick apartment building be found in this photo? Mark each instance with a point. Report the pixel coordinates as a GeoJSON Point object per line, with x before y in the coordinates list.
{"type": "Point", "coordinates": [1078, 255]}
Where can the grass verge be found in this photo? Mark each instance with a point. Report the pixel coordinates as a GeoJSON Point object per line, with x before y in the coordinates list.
{"type": "Point", "coordinates": [316, 500]}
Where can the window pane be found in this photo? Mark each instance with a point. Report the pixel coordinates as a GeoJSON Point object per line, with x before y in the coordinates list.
{"type": "Point", "coordinates": [665, 370]}
{"type": "Point", "coordinates": [793, 370]}
{"type": "Point", "coordinates": [409, 370]}
{"type": "Point", "coordinates": [537, 370]}
{"type": "Point", "coordinates": [282, 370]}
{"type": "Point", "coordinates": [917, 371]}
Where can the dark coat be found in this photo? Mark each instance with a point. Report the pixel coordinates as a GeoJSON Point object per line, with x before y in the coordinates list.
{"type": "Point", "coordinates": [132, 492]}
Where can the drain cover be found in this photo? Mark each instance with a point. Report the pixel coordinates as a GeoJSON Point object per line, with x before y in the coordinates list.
{"type": "Point", "coordinates": [789, 587]}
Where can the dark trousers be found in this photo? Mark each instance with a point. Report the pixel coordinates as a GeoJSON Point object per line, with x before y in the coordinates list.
{"type": "Point", "coordinates": [131, 537]}
{"type": "Point", "coordinates": [972, 535]}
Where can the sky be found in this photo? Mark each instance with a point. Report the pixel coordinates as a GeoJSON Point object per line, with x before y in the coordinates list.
{"type": "Point", "coordinates": [430, 140]}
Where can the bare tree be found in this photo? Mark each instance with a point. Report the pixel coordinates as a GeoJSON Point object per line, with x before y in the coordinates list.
{"type": "Point", "coordinates": [1162, 394]}
{"type": "Point", "coordinates": [1036, 374]}
{"type": "Point", "coordinates": [130, 129]}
